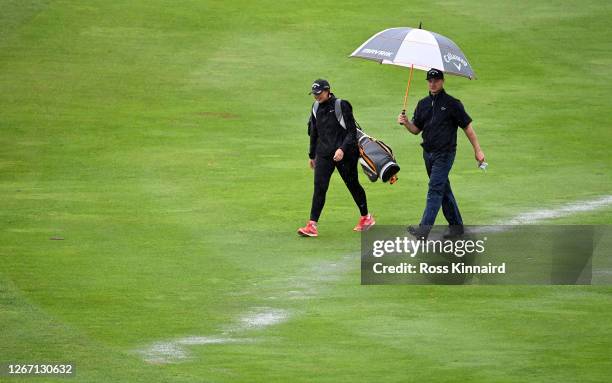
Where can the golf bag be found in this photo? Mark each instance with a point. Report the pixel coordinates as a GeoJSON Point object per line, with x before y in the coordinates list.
{"type": "Point", "coordinates": [376, 158]}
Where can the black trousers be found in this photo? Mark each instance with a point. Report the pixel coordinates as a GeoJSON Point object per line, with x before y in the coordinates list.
{"type": "Point", "coordinates": [324, 168]}
{"type": "Point", "coordinates": [440, 194]}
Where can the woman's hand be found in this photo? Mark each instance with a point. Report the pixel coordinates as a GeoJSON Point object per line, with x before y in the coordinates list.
{"type": "Point", "coordinates": [338, 155]}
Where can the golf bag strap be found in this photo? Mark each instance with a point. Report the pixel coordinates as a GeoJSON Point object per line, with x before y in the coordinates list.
{"type": "Point", "coordinates": [339, 115]}
{"type": "Point", "coordinates": [337, 109]}
{"type": "Point", "coordinates": [385, 147]}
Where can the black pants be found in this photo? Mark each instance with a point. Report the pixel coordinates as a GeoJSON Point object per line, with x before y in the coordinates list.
{"type": "Point", "coordinates": [440, 194]}
{"type": "Point", "coordinates": [324, 168]}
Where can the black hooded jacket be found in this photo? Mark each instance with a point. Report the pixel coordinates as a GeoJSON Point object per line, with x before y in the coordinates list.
{"type": "Point", "coordinates": [326, 133]}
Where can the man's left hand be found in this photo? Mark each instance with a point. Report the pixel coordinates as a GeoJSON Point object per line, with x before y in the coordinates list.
{"type": "Point", "coordinates": [480, 157]}
{"type": "Point", "coordinates": [338, 155]}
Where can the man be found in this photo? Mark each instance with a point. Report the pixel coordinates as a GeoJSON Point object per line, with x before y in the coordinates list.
{"type": "Point", "coordinates": [333, 146]}
{"type": "Point", "coordinates": [438, 117]}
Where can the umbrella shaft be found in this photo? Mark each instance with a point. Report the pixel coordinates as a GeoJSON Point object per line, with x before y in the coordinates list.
{"type": "Point", "coordinates": [408, 87]}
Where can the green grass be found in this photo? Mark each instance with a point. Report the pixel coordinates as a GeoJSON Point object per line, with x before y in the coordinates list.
{"type": "Point", "coordinates": [166, 143]}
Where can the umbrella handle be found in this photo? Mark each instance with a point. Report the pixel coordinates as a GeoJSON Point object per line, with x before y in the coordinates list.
{"type": "Point", "coordinates": [404, 113]}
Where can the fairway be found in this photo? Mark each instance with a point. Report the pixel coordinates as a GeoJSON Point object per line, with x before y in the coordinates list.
{"type": "Point", "coordinates": [154, 170]}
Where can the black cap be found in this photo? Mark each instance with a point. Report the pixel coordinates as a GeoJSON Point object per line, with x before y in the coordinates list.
{"type": "Point", "coordinates": [318, 86]}
{"type": "Point", "coordinates": [435, 73]}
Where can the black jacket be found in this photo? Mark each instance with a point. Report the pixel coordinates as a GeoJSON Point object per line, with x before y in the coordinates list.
{"type": "Point", "coordinates": [438, 117]}
{"type": "Point", "coordinates": [326, 133]}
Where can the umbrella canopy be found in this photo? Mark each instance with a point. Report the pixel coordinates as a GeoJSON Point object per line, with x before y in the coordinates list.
{"type": "Point", "coordinates": [418, 48]}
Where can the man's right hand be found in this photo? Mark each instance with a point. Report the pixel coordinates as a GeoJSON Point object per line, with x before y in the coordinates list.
{"type": "Point", "coordinates": [311, 163]}
{"type": "Point", "coordinates": [402, 119]}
